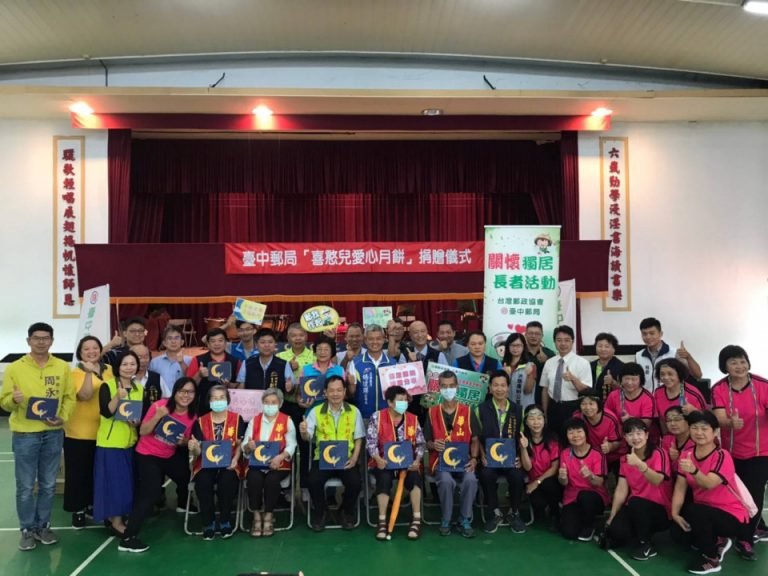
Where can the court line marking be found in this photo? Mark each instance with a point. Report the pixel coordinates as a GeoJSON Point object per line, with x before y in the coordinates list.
{"type": "Point", "coordinates": [621, 561]}
{"type": "Point", "coordinates": [93, 555]}
{"type": "Point", "coordinates": [7, 461]}
{"type": "Point", "coordinates": [5, 453]}
{"type": "Point", "coordinates": [53, 528]}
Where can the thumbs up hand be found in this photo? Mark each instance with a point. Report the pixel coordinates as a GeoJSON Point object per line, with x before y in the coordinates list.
{"type": "Point", "coordinates": [608, 379]}
{"type": "Point", "coordinates": [116, 341]}
{"type": "Point", "coordinates": [18, 396]}
{"type": "Point", "coordinates": [303, 426]}
{"type": "Point", "coordinates": [682, 353]}
{"type": "Point", "coordinates": [523, 441]}
{"type": "Point", "coordinates": [605, 447]}
{"type": "Point", "coordinates": [737, 423]}
{"type": "Point", "coordinates": [567, 376]}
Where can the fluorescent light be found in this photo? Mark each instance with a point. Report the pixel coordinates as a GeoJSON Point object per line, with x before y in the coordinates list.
{"type": "Point", "coordinates": [756, 7]}
{"type": "Point", "coordinates": [262, 111]}
{"type": "Point", "coordinates": [81, 109]}
{"type": "Point", "coordinates": [602, 112]}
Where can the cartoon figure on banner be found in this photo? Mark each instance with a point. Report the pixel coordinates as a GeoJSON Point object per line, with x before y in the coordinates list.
{"type": "Point", "coordinates": [543, 242]}
{"type": "Point", "coordinates": [319, 319]}
{"type": "Point", "coordinates": [498, 341]}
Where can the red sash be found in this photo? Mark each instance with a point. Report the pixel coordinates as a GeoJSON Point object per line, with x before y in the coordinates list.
{"type": "Point", "coordinates": [230, 433]}
{"type": "Point", "coordinates": [279, 430]}
{"type": "Point", "coordinates": [386, 432]}
{"type": "Point", "coordinates": [460, 432]}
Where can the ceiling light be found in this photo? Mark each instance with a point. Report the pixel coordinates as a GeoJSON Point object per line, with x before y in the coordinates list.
{"type": "Point", "coordinates": [756, 7]}
{"type": "Point", "coordinates": [602, 112]}
{"type": "Point", "coordinates": [81, 109]}
{"type": "Point", "coordinates": [432, 111]}
{"type": "Point", "coordinates": [262, 111]}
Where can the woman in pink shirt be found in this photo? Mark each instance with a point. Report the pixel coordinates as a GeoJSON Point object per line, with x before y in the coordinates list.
{"type": "Point", "coordinates": [643, 496]}
{"type": "Point", "coordinates": [539, 457]}
{"type": "Point", "coordinates": [675, 391]}
{"type": "Point", "coordinates": [740, 402]}
{"type": "Point", "coordinates": [156, 458]}
{"type": "Point", "coordinates": [582, 474]}
{"type": "Point", "coordinates": [717, 514]}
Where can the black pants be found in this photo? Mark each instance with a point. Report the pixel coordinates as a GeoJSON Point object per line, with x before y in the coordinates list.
{"type": "Point", "coordinates": [754, 473]}
{"type": "Point", "coordinates": [385, 478]}
{"type": "Point", "coordinates": [150, 474]}
{"type": "Point", "coordinates": [296, 413]}
{"type": "Point", "coordinates": [78, 473]}
{"type": "Point", "coordinates": [707, 524]}
{"type": "Point", "coordinates": [639, 519]}
{"type": "Point", "coordinates": [581, 514]}
{"type": "Point", "coordinates": [264, 488]}
{"type": "Point", "coordinates": [223, 483]}
{"type": "Point", "coordinates": [349, 478]}
{"type": "Point", "coordinates": [547, 495]}
{"type": "Point", "coordinates": [557, 414]}
{"type": "Point", "coordinates": [515, 484]}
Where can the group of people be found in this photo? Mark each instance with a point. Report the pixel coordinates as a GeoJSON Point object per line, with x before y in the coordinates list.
{"type": "Point", "coordinates": [673, 458]}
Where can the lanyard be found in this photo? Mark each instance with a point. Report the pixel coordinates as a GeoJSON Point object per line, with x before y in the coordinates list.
{"type": "Point", "coordinates": [501, 417]}
{"type": "Point", "coordinates": [754, 400]}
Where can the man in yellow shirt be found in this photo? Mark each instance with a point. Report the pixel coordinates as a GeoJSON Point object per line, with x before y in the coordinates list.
{"type": "Point", "coordinates": [37, 444]}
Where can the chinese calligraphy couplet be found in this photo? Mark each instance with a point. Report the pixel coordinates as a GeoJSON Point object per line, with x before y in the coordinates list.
{"type": "Point", "coordinates": [614, 220]}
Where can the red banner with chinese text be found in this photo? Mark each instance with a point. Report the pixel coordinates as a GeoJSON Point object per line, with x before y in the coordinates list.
{"type": "Point", "coordinates": [346, 257]}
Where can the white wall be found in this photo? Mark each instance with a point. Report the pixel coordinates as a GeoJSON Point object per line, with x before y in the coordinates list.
{"type": "Point", "coordinates": [26, 197]}
{"type": "Point", "coordinates": [699, 237]}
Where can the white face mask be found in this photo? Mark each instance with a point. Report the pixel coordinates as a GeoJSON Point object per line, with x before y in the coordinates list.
{"type": "Point", "coordinates": [270, 410]}
{"type": "Point", "coordinates": [448, 393]}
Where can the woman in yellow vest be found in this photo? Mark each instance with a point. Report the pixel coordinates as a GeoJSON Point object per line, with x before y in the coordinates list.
{"type": "Point", "coordinates": [81, 429]}
{"type": "Point", "coordinates": [113, 464]}
{"type": "Point", "coordinates": [264, 484]}
{"type": "Point", "coordinates": [217, 424]}
{"type": "Point", "coordinates": [334, 419]}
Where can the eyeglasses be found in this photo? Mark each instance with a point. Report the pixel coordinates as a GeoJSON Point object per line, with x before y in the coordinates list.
{"type": "Point", "coordinates": [186, 392]}
{"type": "Point", "coordinates": [40, 338]}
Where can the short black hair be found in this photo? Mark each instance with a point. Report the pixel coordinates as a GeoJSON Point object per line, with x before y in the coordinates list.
{"type": "Point", "coordinates": [592, 395]}
{"type": "Point", "coordinates": [574, 424]}
{"type": "Point", "coordinates": [355, 325]}
{"type": "Point", "coordinates": [632, 369]}
{"type": "Point", "coordinates": [334, 378]}
{"type": "Point", "coordinates": [178, 385]}
{"type": "Point", "coordinates": [564, 329]}
{"type": "Point", "coordinates": [608, 337]}
{"type": "Point", "coordinates": [633, 423]}
{"type": "Point", "coordinates": [134, 320]}
{"type": "Point", "coordinates": [477, 333]}
{"type": "Point", "coordinates": [446, 323]}
{"type": "Point", "coordinates": [323, 339]}
{"type": "Point", "coordinates": [448, 375]}
{"type": "Point", "coordinates": [729, 352]}
{"type": "Point", "coordinates": [39, 327]}
{"type": "Point", "coordinates": [120, 359]}
{"type": "Point", "coordinates": [172, 328]}
{"type": "Point", "coordinates": [393, 391]}
{"type": "Point", "coordinates": [499, 374]}
{"type": "Point", "coordinates": [650, 323]}
{"type": "Point", "coordinates": [239, 323]}
{"type": "Point", "coordinates": [261, 332]}
{"type": "Point", "coordinates": [535, 324]}
{"type": "Point", "coordinates": [675, 364]}
{"type": "Point", "coordinates": [675, 408]}
{"type": "Point", "coordinates": [83, 340]}
{"type": "Point", "coordinates": [703, 416]}
{"type": "Point", "coordinates": [213, 332]}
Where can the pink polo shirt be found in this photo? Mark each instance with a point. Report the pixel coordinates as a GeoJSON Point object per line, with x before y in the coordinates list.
{"type": "Point", "coordinates": [593, 460]}
{"type": "Point", "coordinates": [640, 487]}
{"type": "Point", "coordinates": [151, 446]}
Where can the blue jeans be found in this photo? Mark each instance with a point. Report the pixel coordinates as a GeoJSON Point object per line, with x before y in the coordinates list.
{"type": "Point", "coordinates": [37, 456]}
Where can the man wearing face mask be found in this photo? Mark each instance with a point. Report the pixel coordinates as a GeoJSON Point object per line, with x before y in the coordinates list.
{"type": "Point", "coordinates": [453, 422]}
{"type": "Point", "coordinates": [395, 424]}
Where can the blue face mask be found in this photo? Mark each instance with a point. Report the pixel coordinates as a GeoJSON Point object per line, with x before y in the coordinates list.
{"type": "Point", "coordinates": [448, 393]}
{"type": "Point", "coordinates": [270, 410]}
{"type": "Point", "coordinates": [401, 406]}
{"type": "Point", "coordinates": [218, 405]}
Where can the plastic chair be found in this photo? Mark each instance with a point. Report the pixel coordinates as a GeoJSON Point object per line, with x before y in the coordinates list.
{"type": "Point", "coordinates": [288, 483]}
{"type": "Point", "coordinates": [334, 483]}
{"type": "Point", "coordinates": [372, 505]}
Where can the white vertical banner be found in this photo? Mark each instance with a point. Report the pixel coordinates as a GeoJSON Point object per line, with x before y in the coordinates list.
{"type": "Point", "coordinates": [614, 221]}
{"type": "Point", "coordinates": [94, 314]}
{"type": "Point", "coordinates": [68, 221]}
{"type": "Point", "coordinates": [566, 304]}
{"type": "Point", "coordinates": [522, 264]}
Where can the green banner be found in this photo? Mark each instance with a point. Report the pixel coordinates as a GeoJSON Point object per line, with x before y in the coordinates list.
{"type": "Point", "coordinates": [473, 386]}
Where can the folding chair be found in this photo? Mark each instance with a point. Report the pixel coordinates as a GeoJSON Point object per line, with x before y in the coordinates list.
{"type": "Point", "coordinates": [501, 480]}
{"type": "Point", "coordinates": [429, 481]}
{"type": "Point", "coordinates": [371, 503]}
{"type": "Point", "coordinates": [191, 493]}
{"type": "Point", "coordinates": [334, 483]}
{"type": "Point", "coordinates": [288, 483]}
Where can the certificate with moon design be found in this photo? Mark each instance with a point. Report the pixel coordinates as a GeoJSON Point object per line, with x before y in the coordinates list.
{"type": "Point", "coordinates": [216, 454]}
{"type": "Point", "coordinates": [313, 388]}
{"type": "Point", "coordinates": [128, 410]}
{"type": "Point", "coordinates": [500, 452]}
{"type": "Point", "coordinates": [262, 453]}
{"type": "Point", "coordinates": [220, 371]}
{"type": "Point", "coordinates": [454, 458]}
{"type": "Point", "coordinates": [168, 430]}
{"type": "Point", "coordinates": [334, 454]}
{"type": "Point", "coordinates": [399, 455]}
{"type": "Point", "coordinates": [42, 408]}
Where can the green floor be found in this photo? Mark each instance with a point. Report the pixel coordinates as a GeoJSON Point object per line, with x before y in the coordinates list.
{"type": "Point", "coordinates": [90, 552]}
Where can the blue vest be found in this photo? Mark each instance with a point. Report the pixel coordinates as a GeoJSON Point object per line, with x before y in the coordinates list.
{"type": "Point", "coordinates": [368, 396]}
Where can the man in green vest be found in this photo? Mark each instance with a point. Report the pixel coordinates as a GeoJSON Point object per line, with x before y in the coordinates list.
{"type": "Point", "coordinates": [334, 419]}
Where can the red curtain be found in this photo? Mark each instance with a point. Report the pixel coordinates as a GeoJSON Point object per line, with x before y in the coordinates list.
{"type": "Point", "coordinates": [326, 191]}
